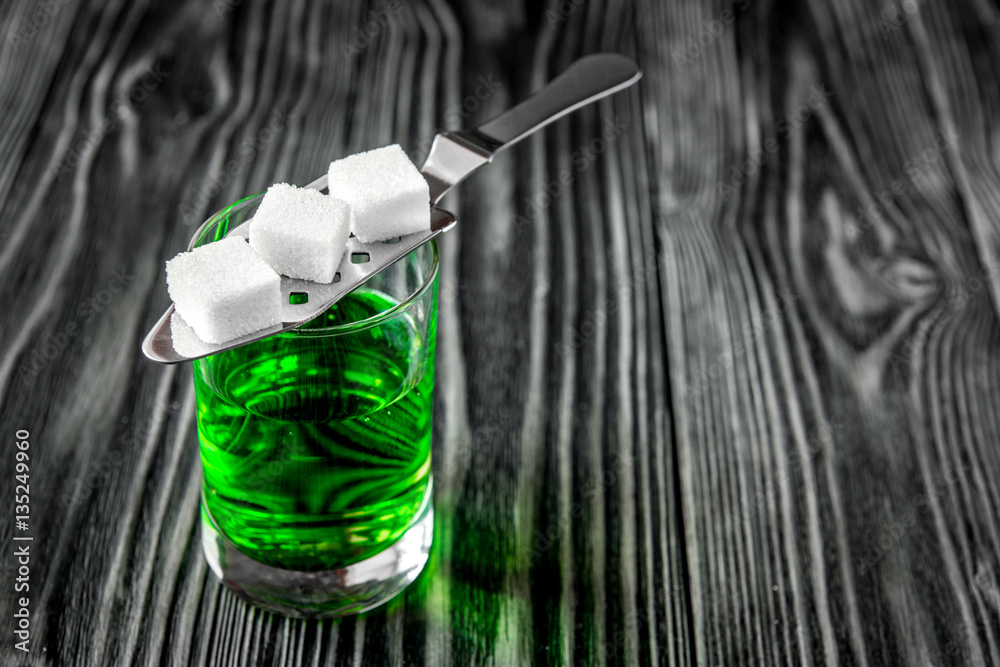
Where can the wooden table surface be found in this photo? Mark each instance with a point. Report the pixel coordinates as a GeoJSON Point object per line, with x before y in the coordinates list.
{"type": "Point", "coordinates": [717, 362]}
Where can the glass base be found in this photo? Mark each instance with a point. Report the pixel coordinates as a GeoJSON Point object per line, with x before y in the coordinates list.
{"type": "Point", "coordinates": [349, 590]}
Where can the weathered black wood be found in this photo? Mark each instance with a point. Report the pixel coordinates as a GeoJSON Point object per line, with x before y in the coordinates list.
{"type": "Point", "coordinates": [717, 361]}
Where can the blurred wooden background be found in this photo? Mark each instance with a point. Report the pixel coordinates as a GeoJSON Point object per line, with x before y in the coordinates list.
{"type": "Point", "coordinates": [717, 359]}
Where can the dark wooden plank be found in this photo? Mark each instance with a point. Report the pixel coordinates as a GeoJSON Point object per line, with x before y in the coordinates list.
{"type": "Point", "coordinates": [835, 367]}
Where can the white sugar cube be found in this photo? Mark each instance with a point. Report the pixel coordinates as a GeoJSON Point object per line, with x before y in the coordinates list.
{"type": "Point", "coordinates": [186, 341]}
{"type": "Point", "coordinates": [223, 290]}
{"type": "Point", "coordinates": [302, 233]}
{"type": "Point", "coordinates": [387, 194]}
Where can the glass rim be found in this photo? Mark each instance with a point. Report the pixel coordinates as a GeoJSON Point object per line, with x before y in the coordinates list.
{"type": "Point", "coordinates": [349, 327]}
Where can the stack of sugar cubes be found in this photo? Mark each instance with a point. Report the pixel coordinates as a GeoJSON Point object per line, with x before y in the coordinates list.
{"type": "Point", "coordinates": [228, 289]}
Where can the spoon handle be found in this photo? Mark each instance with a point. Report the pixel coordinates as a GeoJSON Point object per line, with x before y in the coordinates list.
{"type": "Point", "coordinates": [587, 80]}
{"type": "Point", "coordinates": [455, 155]}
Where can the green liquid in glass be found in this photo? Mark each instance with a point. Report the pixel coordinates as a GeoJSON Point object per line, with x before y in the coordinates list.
{"type": "Point", "coordinates": [316, 449]}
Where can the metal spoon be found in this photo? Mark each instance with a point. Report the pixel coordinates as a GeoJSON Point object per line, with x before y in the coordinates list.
{"type": "Point", "coordinates": [453, 156]}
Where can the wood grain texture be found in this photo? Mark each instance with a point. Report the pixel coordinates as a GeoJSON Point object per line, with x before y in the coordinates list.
{"type": "Point", "coordinates": [717, 361]}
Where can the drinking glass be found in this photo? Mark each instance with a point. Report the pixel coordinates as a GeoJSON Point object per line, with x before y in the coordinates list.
{"type": "Point", "coordinates": [316, 446]}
